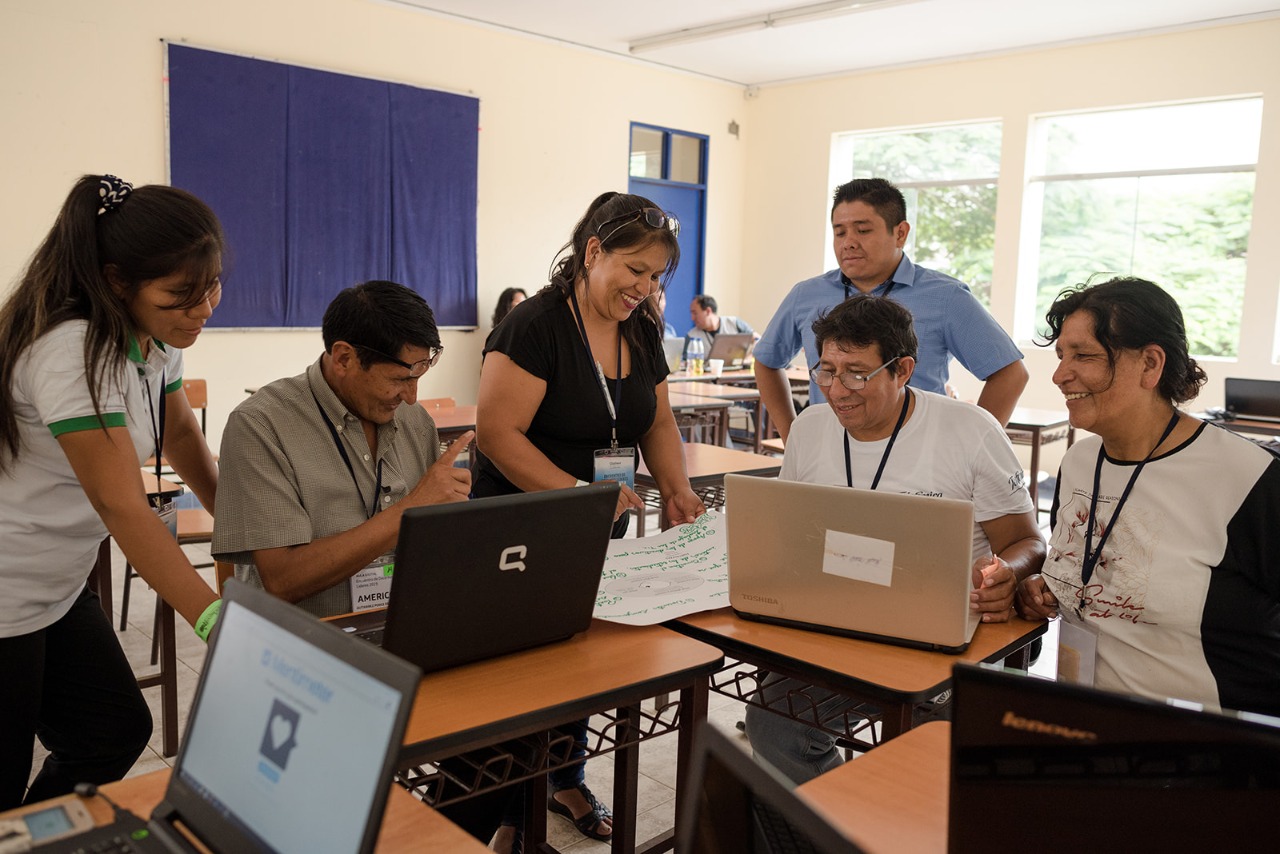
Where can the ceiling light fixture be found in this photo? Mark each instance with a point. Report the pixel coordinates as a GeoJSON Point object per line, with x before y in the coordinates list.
{"type": "Point", "coordinates": [782, 17]}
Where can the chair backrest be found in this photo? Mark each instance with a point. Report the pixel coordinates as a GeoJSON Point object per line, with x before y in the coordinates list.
{"type": "Point", "coordinates": [198, 396]}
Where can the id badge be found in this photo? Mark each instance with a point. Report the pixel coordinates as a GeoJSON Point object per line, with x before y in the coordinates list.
{"type": "Point", "coordinates": [371, 586]}
{"type": "Point", "coordinates": [168, 513]}
{"type": "Point", "coordinates": [616, 464]}
{"type": "Point", "coordinates": [1077, 653]}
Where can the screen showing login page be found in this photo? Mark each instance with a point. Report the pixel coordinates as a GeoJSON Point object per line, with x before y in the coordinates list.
{"type": "Point", "coordinates": [288, 741]}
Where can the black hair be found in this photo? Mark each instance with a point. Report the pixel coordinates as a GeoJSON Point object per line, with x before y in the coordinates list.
{"type": "Point", "coordinates": [505, 303]}
{"type": "Point", "coordinates": [887, 199]}
{"type": "Point", "coordinates": [379, 315]}
{"type": "Point", "coordinates": [704, 302]}
{"type": "Point", "coordinates": [90, 265]}
{"type": "Point", "coordinates": [1128, 314]}
{"type": "Point", "coordinates": [863, 320]}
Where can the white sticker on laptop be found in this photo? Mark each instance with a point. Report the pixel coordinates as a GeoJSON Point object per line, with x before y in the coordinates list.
{"type": "Point", "coordinates": [371, 586]}
{"type": "Point", "coordinates": [860, 558]}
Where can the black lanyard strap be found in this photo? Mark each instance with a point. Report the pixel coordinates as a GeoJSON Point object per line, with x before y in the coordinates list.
{"type": "Point", "coordinates": [157, 429]}
{"type": "Point", "coordinates": [351, 470]}
{"type": "Point", "coordinates": [848, 286]}
{"type": "Point", "coordinates": [1091, 556]}
{"type": "Point", "coordinates": [614, 404]}
{"type": "Point", "coordinates": [884, 458]}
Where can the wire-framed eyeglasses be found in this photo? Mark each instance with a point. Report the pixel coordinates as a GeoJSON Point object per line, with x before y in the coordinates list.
{"type": "Point", "coordinates": [653, 217]}
{"type": "Point", "coordinates": [416, 369]}
{"type": "Point", "coordinates": [853, 382]}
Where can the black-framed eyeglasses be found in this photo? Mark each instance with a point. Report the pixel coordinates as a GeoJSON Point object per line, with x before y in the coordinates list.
{"type": "Point", "coordinates": [416, 369]}
{"type": "Point", "coordinates": [853, 382]}
{"type": "Point", "coordinates": [653, 217]}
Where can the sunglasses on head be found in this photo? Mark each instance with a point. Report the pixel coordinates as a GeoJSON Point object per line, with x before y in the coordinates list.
{"type": "Point", "coordinates": [653, 217]}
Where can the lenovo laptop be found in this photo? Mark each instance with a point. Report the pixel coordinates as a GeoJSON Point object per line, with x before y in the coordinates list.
{"type": "Point", "coordinates": [855, 562]}
{"type": "Point", "coordinates": [736, 805]}
{"type": "Point", "coordinates": [486, 577]}
{"type": "Point", "coordinates": [1253, 400]}
{"type": "Point", "coordinates": [732, 348]}
{"type": "Point", "coordinates": [1078, 769]}
{"type": "Point", "coordinates": [291, 742]}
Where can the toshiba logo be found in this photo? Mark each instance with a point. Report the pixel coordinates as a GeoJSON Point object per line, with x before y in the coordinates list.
{"type": "Point", "coordinates": [1032, 725]}
{"type": "Point", "coordinates": [512, 558]}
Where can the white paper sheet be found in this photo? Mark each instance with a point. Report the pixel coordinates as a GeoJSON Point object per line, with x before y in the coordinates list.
{"type": "Point", "coordinates": [859, 558]}
{"type": "Point", "coordinates": [654, 579]}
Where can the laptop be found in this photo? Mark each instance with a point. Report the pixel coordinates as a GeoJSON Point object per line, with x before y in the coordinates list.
{"type": "Point", "coordinates": [490, 576]}
{"type": "Point", "coordinates": [290, 745]}
{"type": "Point", "coordinates": [673, 350]}
{"type": "Point", "coordinates": [1078, 769]}
{"type": "Point", "coordinates": [1253, 400]}
{"type": "Point", "coordinates": [737, 805]}
{"type": "Point", "coordinates": [732, 348]}
{"type": "Point", "coordinates": [870, 565]}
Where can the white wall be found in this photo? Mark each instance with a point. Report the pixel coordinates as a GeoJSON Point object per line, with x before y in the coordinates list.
{"type": "Point", "coordinates": [791, 127]}
{"type": "Point", "coordinates": [81, 90]}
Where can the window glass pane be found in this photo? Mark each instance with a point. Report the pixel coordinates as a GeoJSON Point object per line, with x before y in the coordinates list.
{"type": "Point", "coordinates": [686, 159]}
{"type": "Point", "coordinates": [929, 154]}
{"type": "Point", "coordinates": [646, 153]}
{"type": "Point", "coordinates": [954, 231]}
{"type": "Point", "coordinates": [1217, 133]}
{"type": "Point", "coordinates": [1186, 233]}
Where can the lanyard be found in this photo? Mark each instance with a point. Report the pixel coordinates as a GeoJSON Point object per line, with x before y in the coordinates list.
{"type": "Point", "coordinates": [157, 429]}
{"type": "Point", "coordinates": [342, 451]}
{"type": "Point", "coordinates": [884, 458]}
{"type": "Point", "coordinates": [1091, 556]}
{"type": "Point", "coordinates": [610, 402]}
{"type": "Point", "coordinates": [848, 287]}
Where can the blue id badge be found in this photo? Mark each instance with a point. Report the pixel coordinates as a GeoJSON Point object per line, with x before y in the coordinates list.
{"type": "Point", "coordinates": [616, 464]}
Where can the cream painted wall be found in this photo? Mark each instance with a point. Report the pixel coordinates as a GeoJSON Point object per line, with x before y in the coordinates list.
{"type": "Point", "coordinates": [81, 90]}
{"type": "Point", "coordinates": [786, 235]}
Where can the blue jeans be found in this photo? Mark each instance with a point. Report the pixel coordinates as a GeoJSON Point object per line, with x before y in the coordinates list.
{"type": "Point", "coordinates": [798, 750]}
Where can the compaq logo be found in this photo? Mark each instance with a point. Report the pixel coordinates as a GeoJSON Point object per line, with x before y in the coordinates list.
{"type": "Point", "coordinates": [756, 598]}
{"type": "Point", "coordinates": [512, 558]}
{"type": "Point", "coordinates": [1032, 725]}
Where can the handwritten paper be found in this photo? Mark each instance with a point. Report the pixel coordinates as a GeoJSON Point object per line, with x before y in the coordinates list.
{"type": "Point", "coordinates": [653, 579]}
{"type": "Point", "coordinates": [859, 558]}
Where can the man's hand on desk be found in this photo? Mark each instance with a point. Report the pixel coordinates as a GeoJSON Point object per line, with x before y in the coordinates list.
{"type": "Point", "coordinates": [993, 587]}
{"type": "Point", "coordinates": [444, 483]}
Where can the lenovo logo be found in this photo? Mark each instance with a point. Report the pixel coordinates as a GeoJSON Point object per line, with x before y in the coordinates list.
{"type": "Point", "coordinates": [1032, 725]}
{"type": "Point", "coordinates": [512, 558]}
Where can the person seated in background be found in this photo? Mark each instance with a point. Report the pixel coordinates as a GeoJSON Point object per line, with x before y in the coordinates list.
{"type": "Point", "coordinates": [668, 331]}
{"type": "Point", "coordinates": [507, 300]}
{"type": "Point", "coordinates": [869, 227]}
{"type": "Point", "coordinates": [317, 469]}
{"type": "Point", "coordinates": [878, 433]}
{"type": "Point", "coordinates": [1163, 561]}
{"type": "Point", "coordinates": [707, 324]}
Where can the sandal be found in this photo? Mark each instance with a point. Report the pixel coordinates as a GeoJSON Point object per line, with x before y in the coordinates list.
{"type": "Point", "coordinates": [588, 824]}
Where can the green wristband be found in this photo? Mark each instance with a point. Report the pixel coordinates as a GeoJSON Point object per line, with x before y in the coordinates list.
{"type": "Point", "coordinates": [204, 625]}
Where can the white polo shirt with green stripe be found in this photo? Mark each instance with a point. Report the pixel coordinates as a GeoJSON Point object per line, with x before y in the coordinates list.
{"type": "Point", "coordinates": [49, 532]}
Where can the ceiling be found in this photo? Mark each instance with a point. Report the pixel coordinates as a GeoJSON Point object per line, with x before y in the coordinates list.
{"type": "Point", "coordinates": [814, 39]}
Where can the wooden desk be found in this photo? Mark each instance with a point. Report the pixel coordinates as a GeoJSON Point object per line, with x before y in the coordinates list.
{"type": "Point", "coordinates": [607, 670]}
{"type": "Point", "coordinates": [698, 410]}
{"type": "Point", "coordinates": [407, 825]}
{"type": "Point", "coordinates": [1036, 427]}
{"type": "Point", "coordinates": [893, 799]}
{"type": "Point", "coordinates": [1244, 425]}
{"type": "Point", "coordinates": [706, 465]}
{"type": "Point", "coordinates": [893, 678]}
{"type": "Point", "coordinates": [452, 421]}
{"type": "Point", "coordinates": [736, 394]}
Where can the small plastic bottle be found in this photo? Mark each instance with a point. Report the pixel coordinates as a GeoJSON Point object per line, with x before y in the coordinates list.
{"type": "Point", "coordinates": [696, 356]}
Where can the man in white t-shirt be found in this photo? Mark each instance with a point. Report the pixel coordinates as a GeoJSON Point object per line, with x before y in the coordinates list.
{"type": "Point", "coordinates": [876, 433]}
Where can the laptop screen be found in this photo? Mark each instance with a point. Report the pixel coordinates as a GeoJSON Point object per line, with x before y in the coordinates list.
{"type": "Point", "coordinates": [1246, 397]}
{"type": "Point", "coordinates": [289, 742]}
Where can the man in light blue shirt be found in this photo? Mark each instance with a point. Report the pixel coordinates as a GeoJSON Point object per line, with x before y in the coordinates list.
{"type": "Point", "coordinates": [868, 219]}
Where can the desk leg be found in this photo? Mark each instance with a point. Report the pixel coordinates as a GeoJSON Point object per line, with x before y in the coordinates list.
{"type": "Point", "coordinates": [1034, 486]}
{"type": "Point", "coordinates": [757, 421]}
{"type": "Point", "coordinates": [892, 726]}
{"type": "Point", "coordinates": [168, 680]}
{"type": "Point", "coordinates": [626, 784]}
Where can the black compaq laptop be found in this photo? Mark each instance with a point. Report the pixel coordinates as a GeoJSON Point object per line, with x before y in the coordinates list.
{"type": "Point", "coordinates": [291, 743]}
{"type": "Point", "coordinates": [1045, 766]}
{"type": "Point", "coordinates": [482, 578]}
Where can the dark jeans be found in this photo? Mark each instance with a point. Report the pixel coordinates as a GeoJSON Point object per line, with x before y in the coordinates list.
{"type": "Point", "coordinates": [70, 686]}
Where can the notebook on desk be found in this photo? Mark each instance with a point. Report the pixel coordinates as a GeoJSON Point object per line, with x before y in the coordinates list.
{"type": "Point", "coordinates": [736, 805]}
{"type": "Point", "coordinates": [1253, 400]}
{"type": "Point", "coordinates": [291, 742]}
{"type": "Point", "coordinates": [482, 578]}
{"type": "Point", "coordinates": [871, 565]}
{"type": "Point", "coordinates": [1085, 770]}
{"type": "Point", "coordinates": [733, 348]}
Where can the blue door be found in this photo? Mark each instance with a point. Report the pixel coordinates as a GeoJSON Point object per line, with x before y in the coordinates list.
{"type": "Point", "coordinates": [686, 204]}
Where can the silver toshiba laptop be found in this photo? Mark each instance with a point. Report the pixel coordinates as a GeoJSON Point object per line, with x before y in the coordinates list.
{"type": "Point", "coordinates": [872, 565]}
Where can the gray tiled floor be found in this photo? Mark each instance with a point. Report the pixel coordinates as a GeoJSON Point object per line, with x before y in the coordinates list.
{"type": "Point", "coordinates": [657, 796]}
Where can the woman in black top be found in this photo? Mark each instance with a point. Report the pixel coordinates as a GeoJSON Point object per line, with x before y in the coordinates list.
{"type": "Point", "coordinates": [574, 380]}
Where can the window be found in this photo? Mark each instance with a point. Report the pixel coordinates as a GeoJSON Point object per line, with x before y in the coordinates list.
{"type": "Point", "coordinates": [949, 177]}
{"type": "Point", "coordinates": [667, 155]}
{"type": "Point", "coordinates": [1164, 193]}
